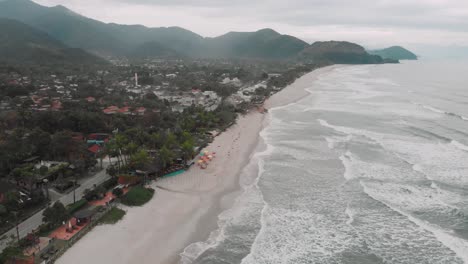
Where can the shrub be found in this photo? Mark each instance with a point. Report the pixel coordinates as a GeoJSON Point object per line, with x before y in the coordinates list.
{"type": "Point", "coordinates": [137, 196]}
{"type": "Point", "coordinates": [55, 214]}
{"type": "Point", "coordinates": [113, 216]}
{"type": "Point", "coordinates": [3, 210]}
{"type": "Point", "coordinates": [11, 252]}
{"type": "Point", "coordinates": [95, 194]}
{"type": "Point", "coordinates": [110, 183]}
{"type": "Point", "coordinates": [117, 192]}
{"type": "Point", "coordinates": [72, 208]}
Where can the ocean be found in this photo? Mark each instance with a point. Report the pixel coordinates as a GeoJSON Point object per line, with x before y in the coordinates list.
{"type": "Point", "coordinates": [371, 167]}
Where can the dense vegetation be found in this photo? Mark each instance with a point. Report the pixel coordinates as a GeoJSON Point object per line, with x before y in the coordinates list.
{"type": "Point", "coordinates": [112, 216]}
{"type": "Point", "coordinates": [138, 42]}
{"type": "Point", "coordinates": [395, 53]}
{"type": "Point", "coordinates": [20, 43]}
{"type": "Point", "coordinates": [339, 52]}
{"type": "Point", "coordinates": [137, 196]}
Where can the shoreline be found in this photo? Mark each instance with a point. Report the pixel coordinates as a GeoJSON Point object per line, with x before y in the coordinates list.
{"type": "Point", "coordinates": [185, 209]}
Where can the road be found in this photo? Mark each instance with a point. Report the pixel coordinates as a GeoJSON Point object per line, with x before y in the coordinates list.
{"type": "Point", "coordinates": [35, 221]}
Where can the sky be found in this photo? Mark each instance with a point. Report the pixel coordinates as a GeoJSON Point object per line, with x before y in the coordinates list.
{"type": "Point", "coordinates": [417, 24]}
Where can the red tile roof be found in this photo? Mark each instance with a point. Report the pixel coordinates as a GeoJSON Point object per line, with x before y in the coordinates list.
{"type": "Point", "coordinates": [94, 149]}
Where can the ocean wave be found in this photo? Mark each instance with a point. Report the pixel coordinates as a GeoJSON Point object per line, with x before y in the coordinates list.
{"type": "Point", "coordinates": [440, 111]}
{"type": "Point", "coordinates": [235, 214]}
{"type": "Point", "coordinates": [437, 160]}
{"type": "Point", "coordinates": [459, 145]}
{"type": "Point", "coordinates": [446, 237]}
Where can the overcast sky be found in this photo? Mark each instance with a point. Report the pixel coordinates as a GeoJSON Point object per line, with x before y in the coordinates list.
{"type": "Point", "coordinates": [372, 23]}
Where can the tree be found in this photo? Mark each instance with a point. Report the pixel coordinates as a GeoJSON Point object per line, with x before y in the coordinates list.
{"type": "Point", "coordinates": [112, 171]}
{"type": "Point", "coordinates": [140, 159]}
{"type": "Point", "coordinates": [171, 140]}
{"type": "Point", "coordinates": [3, 210]}
{"type": "Point", "coordinates": [156, 140]}
{"type": "Point", "coordinates": [43, 170]}
{"type": "Point", "coordinates": [165, 156]}
{"type": "Point", "coordinates": [187, 149]}
{"type": "Point", "coordinates": [12, 201]}
{"type": "Point", "coordinates": [55, 215]}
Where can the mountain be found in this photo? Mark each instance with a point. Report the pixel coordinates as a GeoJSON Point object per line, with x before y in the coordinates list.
{"type": "Point", "coordinates": [20, 43]}
{"type": "Point", "coordinates": [140, 42]}
{"type": "Point", "coordinates": [340, 52]}
{"type": "Point", "coordinates": [262, 44]}
{"type": "Point", "coordinates": [152, 49]}
{"type": "Point", "coordinates": [64, 25]}
{"type": "Point", "coordinates": [94, 36]}
{"type": "Point", "coordinates": [122, 40]}
{"type": "Point", "coordinates": [396, 53]}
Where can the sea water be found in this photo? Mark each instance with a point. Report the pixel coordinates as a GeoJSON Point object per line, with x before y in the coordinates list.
{"type": "Point", "coordinates": [371, 167]}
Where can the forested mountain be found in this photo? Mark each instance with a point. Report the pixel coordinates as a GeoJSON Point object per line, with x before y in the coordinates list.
{"type": "Point", "coordinates": [262, 44]}
{"type": "Point", "coordinates": [340, 52]}
{"type": "Point", "coordinates": [139, 42]}
{"type": "Point", "coordinates": [81, 32]}
{"type": "Point", "coordinates": [396, 53]}
{"type": "Point", "coordinates": [20, 43]}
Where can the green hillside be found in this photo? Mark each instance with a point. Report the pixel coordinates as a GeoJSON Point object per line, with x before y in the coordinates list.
{"type": "Point", "coordinates": [340, 52]}
{"type": "Point", "coordinates": [20, 43]}
{"type": "Point", "coordinates": [396, 53]}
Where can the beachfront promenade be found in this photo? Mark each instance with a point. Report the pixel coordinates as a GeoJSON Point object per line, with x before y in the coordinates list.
{"type": "Point", "coordinates": [35, 221]}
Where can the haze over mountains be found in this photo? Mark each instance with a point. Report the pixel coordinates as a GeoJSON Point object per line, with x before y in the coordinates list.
{"type": "Point", "coordinates": [20, 43]}
{"type": "Point", "coordinates": [136, 41]}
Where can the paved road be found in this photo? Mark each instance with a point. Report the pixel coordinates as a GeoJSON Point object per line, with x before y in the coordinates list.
{"type": "Point", "coordinates": [36, 220]}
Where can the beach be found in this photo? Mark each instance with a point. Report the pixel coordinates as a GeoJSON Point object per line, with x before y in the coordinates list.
{"type": "Point", "coordinates": [185, 208]}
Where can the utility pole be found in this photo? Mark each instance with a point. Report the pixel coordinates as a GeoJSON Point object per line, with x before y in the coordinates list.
{"type": "Point", "coordinates": [17, 226]}
{"type": "Point", "coordinates": [74, 190]}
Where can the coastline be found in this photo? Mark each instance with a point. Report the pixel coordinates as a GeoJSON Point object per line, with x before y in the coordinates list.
{"type": "Point", "coordinates": [185, 208]}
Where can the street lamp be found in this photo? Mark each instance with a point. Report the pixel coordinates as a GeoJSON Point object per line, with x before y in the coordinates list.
{"type": "Point", "coordinates": [45, 181]}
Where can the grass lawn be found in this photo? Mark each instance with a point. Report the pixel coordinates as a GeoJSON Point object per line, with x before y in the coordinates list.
{"type": "Point", "coordinates": [137, 196]}
{"type": "Point", "coordinates": [113, 216]}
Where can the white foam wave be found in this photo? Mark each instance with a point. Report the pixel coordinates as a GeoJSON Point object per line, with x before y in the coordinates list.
{"type": "Point", "coordinates": [250, 194]}
{"type": "Point", "coordinates": [438, 161]}
{"type": "Point", "coordinates": [350, 212]}
{"type": "Point", "coordinates": [440, 111]}
{"type": "Point", "coordinates": [433, 109]}
{"type": "Point", "coordinates": [459, 145]}
{"type": "Point", "coordinates": [446, 237]}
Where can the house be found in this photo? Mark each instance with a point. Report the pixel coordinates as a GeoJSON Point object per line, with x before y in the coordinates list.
{"type": "Point", "coordinates": [140, 111]}
{"type": "Point", "coordinates": [111, 110]}
{"type": "Point", "coordinates": [56, 105]}
{"type": "Point", "coordinates": [77, 136]}
{"type": "Point", "coordinates": [98, 138]}
{"type": "Point", "coordinates": [124, 110]}
{"type": "Point", "coordinates": [95, 149]}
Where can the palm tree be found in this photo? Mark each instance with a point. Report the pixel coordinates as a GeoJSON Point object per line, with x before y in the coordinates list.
{"type": "Point", "coordinates": [166, 156]}
{"type": "Point", "coordinates": [140, 159]}
{"type": "Point", "coordinates": [187, 149]}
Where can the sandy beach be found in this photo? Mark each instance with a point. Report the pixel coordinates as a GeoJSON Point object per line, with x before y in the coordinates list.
{"type": "Point", "coordinates": [185, 208]}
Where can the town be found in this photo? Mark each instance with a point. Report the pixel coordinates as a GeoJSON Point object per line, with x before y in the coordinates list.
{"type": "Point", "coordinates": [72, 138]}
